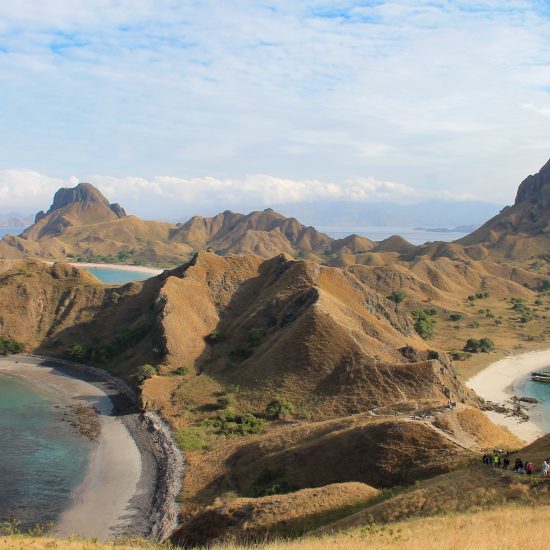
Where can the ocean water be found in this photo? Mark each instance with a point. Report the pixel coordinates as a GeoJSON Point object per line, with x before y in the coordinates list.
{"type": "Point", "coordinates": [118, 277]}
{"type": "Point", "coordinates": [541, 392]}
{"type": "Point", "coordinates": [380, 233]}
{"type": "Point", "coordinates": [10, 230]}
{"type": "Point", "coordinates": [42, 458]}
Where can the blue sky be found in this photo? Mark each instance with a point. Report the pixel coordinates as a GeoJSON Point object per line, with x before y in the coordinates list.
{"type": "Point", "coordinates": [212, 105]}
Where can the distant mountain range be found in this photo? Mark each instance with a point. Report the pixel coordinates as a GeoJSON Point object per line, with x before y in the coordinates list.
{"type": "Point", "coordinates": [427, 214]}
{"type": "Point", "coordinates": [12, 219]}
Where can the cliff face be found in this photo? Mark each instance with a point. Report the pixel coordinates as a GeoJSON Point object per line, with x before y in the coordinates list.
{"type": "Point", "coordinates": [522, 230]}
{"type": "Point", "coordinates": [536, 188]}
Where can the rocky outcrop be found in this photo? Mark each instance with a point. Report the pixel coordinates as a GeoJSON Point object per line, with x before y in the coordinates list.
{"type": "Point", "coordinates": [536, 188]}
{"type": "Point", "coordinates": [523, 230]}
{"type": "Point", "coordinates": [83, 192]}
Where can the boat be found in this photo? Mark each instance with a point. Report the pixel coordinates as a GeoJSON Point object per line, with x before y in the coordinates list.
{"type": "Point", "coordinates": [544, 373]}
{"type": "Point", "coordinates": [545, 379]}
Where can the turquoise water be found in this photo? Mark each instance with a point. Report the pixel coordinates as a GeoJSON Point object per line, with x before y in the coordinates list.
{"type": "Point", "coordinates": [542, 393]}
{"type": "Point", "coordinates": [42, 458]}
{"type": "Point", "coordinates": [116, 277]}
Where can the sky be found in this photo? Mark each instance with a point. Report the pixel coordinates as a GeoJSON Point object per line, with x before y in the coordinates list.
{"type": "Point", "coordinates": [182, 106]}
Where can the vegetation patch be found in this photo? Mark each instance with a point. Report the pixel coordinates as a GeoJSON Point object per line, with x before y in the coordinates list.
{"type": "Point", "coordinates": [424, 322]}
{"type": "Point", "coordinates": [191, 439]}
{"type": "Point", "coordinates": [9, 346]}
{"type": "Point", "coordinates": [240, 424]}
{"type": "Point", "coordinates": [485, 345]}
{"type": "Point", "coordinates": [279, 408]}
{"type": "Point", "coordinates": [98, 352]}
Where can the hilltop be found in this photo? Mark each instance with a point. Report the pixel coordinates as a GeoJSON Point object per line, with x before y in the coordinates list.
{"type": "Point", "coordinates": [522, 230]}
{"type": "Point", "coordinates": [82, 225]}
{"type": "Point", "coordinates": [305, 377]}
{"type": "Point", "coordinates": [229, 335]}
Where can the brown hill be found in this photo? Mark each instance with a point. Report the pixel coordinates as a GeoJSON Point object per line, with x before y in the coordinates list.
{"type": "Point", "coordinates": [522, 230]}
{"type": "Point", "coordinates": [257, 519]}
{"type": "Point", "coordinates": [82, 225]}
{"type": "Point", "coordinates": [82, 205]}
{"type": "Point", "coordinates": [265, 234]}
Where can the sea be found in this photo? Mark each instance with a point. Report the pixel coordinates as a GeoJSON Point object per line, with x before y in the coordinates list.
{"type": "Point", "coordinates": [117, 276]}
{"type": "Point", "coordinates": [107, 276]}
{"type": "Point", "coordinates": [42, 458]}
{"type": "Point", "coordinates": [541, 392]}
{"type": "Point", "coordinates": [411, 234]}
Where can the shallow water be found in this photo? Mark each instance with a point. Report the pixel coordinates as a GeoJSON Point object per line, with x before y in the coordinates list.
{"type": "Point", "coordinates": [42, 458]}
{"type": "Point", "coordinates": [541, 392]}
{"type": "Point", "coordinates": [118, 277]}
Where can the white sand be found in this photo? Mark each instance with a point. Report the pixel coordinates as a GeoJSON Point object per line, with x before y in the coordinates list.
{"type": "Point", "coordinates": [103, 499]}
{"type": "Point", "coordinates": [119, 267]}
{"type": "Point", "coordinates": [500, 381]}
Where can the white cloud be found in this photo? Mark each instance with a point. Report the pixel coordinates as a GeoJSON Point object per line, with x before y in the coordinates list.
{"type": "Point", "coordinates": [26, 191]}
{"type": "Point", "coordinates": [544, 111]}
{"type": "Point", "coordinates": [422, 92]}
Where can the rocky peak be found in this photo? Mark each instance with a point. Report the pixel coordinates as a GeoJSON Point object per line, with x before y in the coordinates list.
{"type": "Point", "coordinates": [535, 188]}
{"type": "Point", "coordinates": [83, 192]}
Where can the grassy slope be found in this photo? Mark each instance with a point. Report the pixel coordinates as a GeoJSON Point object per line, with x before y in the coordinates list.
{"type": "Point", "coordinates": [510, 527]}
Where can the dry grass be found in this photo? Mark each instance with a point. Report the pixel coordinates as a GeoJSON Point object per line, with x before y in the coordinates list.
{"type": "Point", "coordinates": [508, 528]}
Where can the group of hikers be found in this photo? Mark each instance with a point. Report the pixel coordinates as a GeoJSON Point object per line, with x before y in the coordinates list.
{"type": "Point", "coordinates": [500, 459]}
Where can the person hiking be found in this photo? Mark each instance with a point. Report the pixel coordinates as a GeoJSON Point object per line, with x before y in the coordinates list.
{"type": "Point", "coordinates": [518, 465]}
{"type": "Point", "coordinates": [529, 468]}
{"type": "Point", "coordinates": [506, 462]}
{"type": "Point", "coordinates": [496, 461]}
{"type": "Point", "coordinates": [545, 468]}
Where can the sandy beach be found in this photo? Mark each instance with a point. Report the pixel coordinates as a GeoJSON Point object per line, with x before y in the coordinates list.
{"type": "Point", "coordinates": [500, 381]}
{"type": "Point", "coordinates": [119, 267]}
{"type": "Point", "coordinates": [102, 504]}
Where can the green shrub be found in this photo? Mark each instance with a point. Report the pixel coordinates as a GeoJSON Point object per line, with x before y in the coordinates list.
{"type": "Point", "coordinates": [77, 352]}
{"type": "Point", "coordinates": [180, 371]}
{"type": "Point", "coordinates": [230, 423]}
{"type": "Point", "coordinates": [279, 408]}
{"type": "Point", "coordinates": [9, 345]}
{"type": "Point", "coordinates": [456, 316]}
{"type": "Point", "coordinates": [424, 324]}
{"type": "Point", "coordinates": [485, 345]}
{"type": "Point", "coordinates": [226, 401]}
{"type": "Point", "coordinates": [397, 297]}
{"type": "Point", "coordinates": [145, 372]}
{"type": "Point", "coordinates": [190, 439]}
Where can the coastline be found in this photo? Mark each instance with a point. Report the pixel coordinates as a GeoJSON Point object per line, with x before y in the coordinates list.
{"type": "Point", "coordinates": [114, 267]}
{"type": "Point", "coordinates": [500, 381]}
{"type": "Point", "coordinates": [134, 473]}
{"type": "Point", "coordinates": [119, 267]}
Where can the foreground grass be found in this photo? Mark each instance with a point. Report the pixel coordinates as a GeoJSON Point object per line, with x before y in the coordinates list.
{"type": "Point", "coordinates": [510, 527]}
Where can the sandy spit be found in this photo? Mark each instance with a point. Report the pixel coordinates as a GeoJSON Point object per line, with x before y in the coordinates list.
{"type": "Point", "coordinates": [135, 471]}
{"type": "Point", "coordinates": [501, 380]}
{"type": "Point", "coordinates": [119, 267]}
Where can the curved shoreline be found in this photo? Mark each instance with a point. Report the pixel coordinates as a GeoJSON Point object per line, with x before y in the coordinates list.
{"type": "Point", "coordinates": [119, 267]}
{"type": "Point", "coordinates": [499, 382]}
{"type": "Point", "coordinates": [135, 473]}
